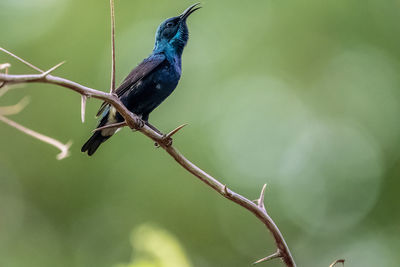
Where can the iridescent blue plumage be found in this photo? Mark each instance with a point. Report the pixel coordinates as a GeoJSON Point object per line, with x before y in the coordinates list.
{"type": "Point", "coordinates": [151, 82]}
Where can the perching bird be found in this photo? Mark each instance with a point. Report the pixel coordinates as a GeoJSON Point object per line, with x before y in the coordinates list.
{"type": "Point", "coordinates": [151, 82]}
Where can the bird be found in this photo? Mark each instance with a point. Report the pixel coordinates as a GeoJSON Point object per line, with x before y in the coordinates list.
{"type": "Point", "coordinates": [149, 83]}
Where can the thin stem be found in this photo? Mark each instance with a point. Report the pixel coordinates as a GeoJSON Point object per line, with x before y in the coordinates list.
{"type": "Point", "coordinates": [15, 109]}
{"type": "Point", "coordinates": [51, 141]}
{"type": "Point", "coordinates": [20, 59]}
{"type": "Point", "coordinates": [112, 87]}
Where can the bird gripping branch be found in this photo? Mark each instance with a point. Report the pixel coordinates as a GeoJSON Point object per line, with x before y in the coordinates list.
{"type": "Point", "coordinates": [151, 82]}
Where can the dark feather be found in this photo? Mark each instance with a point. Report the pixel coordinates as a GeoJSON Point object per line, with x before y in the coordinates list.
{"type": "Point", "coordinates": [138, 73]}
{"type": "Point", "coordinates": [94, 142]}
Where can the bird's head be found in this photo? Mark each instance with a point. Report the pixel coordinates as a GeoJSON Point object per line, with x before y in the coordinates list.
{"type": "Point", "coordinates": [173, 34]}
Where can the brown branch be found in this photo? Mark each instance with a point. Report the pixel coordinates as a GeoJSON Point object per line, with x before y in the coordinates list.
{"type": "Point", "coordinates": [134, 122]}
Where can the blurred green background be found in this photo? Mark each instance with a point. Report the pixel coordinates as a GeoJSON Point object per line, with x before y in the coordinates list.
{"type": "Point", "coordinates": [302, 95]}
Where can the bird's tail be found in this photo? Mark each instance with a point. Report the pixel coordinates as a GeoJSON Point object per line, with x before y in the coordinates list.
{"type": "Point", "coordinates": [94, 142]}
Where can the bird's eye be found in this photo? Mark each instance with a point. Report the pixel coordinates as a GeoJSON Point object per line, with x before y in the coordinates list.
{"type": "Point", "coordinates": [170, 24]}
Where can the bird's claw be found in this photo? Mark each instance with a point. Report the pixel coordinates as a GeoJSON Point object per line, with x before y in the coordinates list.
{"type": "Point", "coordinates": [165, 140]}
{"type": "Point", "coordinates": [139, 124]}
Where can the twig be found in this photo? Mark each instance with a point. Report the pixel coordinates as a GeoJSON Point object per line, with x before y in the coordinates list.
{"type": "Point", "coordinates": [10, 110]}
{"type": "Point", "coordinates": [112, 87]}
{"type": "Point", "coordinates": [260, 201]}
{"type": "Point", "coordinates": [63, 148]}
{"type": "Point", "coordinates": [15, 109]}
{"type": "Point", "coordinates": [5, 89]}
{"type": "Point", "coordinates": [20, 59]}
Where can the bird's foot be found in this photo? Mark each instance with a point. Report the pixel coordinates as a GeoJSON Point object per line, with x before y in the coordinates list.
{"type": "Point", "coordinates": [139, 124]}
{"type": "Point", "coordinates": [165, 140]}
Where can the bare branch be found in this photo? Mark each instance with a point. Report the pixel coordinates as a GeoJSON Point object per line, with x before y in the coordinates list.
{"type": "Point", "coordinates": [270, 257]}
{"type": "Point", "coordinates": [20, 59]}
{"type": "Point", "coordinates": [15, 109]}
{"type": "Point", "coordinates": [112, 87]}
{"type": "Point", "coordinates": [114, 125]}
{"type": "Point", "coordinates": [336, 262]}
{"type": "Point", "coordinates": [63, 148]}
{"type": "Point", "coordinates": [83, 107]}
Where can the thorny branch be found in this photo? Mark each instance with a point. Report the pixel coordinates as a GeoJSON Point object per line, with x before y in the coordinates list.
{"type": "Point", "coordinates": [164, 141]}
{"type": "Point", "coordinates": [17, 108]}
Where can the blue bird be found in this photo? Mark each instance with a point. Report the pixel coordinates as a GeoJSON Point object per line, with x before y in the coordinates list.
{"type": "Point", "coordinates": [151, 82]}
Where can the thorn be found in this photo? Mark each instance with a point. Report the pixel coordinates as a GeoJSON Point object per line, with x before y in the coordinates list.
{"type": "Point", "coordinates": [226, 192]}
{"type": "Point", "coordinates": [260, 201]}
{"type": "Point", "coordinates": [270, 257]}
{"type": "Point", "coordinates": [114, 125]}
{"type": "Point", "coordinates": [44, 74]}
{"type": "Point", "coordinates": [83, 107]}
{"type": "Point", "coordinates": [175, 131]}
{"type": "Point", "coordinates": [5, 66]}
{"type": "Point", "coordinates": [336, 262]}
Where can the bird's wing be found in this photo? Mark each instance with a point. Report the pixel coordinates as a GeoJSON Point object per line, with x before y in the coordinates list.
{"type": "Point", "coordinates": [138, 73]}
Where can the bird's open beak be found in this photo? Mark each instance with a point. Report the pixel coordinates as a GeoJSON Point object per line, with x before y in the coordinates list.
{"type": "Point", "coordinates": [189, 11]}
